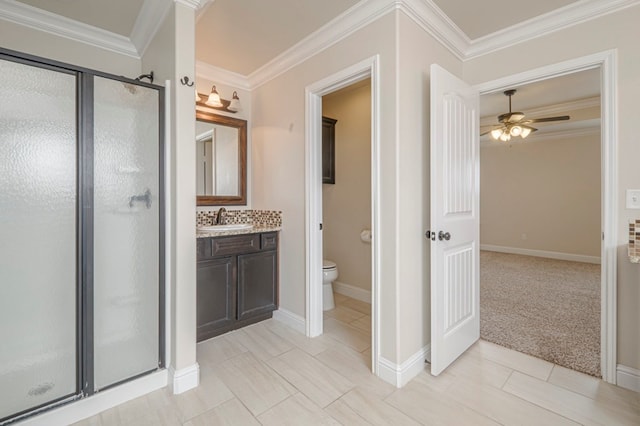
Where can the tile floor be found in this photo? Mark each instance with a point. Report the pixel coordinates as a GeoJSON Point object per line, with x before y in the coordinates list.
{"type": "Point", "coordinates": [268, 374]}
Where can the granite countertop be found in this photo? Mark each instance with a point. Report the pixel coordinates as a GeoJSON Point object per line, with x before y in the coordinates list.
{"type": "Point", "coordinates": [256, 229]}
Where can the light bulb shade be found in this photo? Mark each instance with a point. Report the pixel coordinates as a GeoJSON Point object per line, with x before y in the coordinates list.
{"type": "Point", "coordinates": [496, 133]}
{"type": "Point", "coordinates": [214, 98]}
{"type": "Point", "coordinates": [234, 105]}
{"type": "Point", "coordinates": [515, 131]}
{"type": "Point", "coordinates": [526, 131]}
{"type": "Point", "coordinates": [198, 98]}
{"type": "Point", "coordinates": [505, 137]}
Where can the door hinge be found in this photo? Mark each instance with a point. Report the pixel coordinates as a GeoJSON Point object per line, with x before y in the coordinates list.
{"type": "Point", "coordinates": [430, 235]}
{"type": "Point", "coordinates": [321, 227]}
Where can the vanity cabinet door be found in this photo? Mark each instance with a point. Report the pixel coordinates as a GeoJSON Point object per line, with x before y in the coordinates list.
{"type": "Point", "coordinates": [257, 284]}
{"type": "Point", "coordinates": [216, 296]}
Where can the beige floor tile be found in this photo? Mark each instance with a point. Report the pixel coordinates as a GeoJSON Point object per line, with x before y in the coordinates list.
{"type": "Point", "coordinates": [211, 392]}
{"type": "Point", "coordinates": [524, 363]}
{"type": "Point", "coordinates": [126, 413]}
{"type": "Point", "coordinates": [433, 408]}
{"type": "Point", "coordinates": [229, 413]}
{"type": "Point", "coordinates": [357, 305]}
{"type": "Point", "coordinates": [351, 364]}
{"type": "Point", "coordinates": [346, 334]}
{"type": "Point", "coordinates": [295, 411]}
{"type": "Point", "coordinates": [375, 410]}
{"type": "Point", "coordinates": [315, 380]}
{"type": "Point", "coordinates": [502, 406]}
{"type": "Point", "coordinates": [260, 341]}
{"type": "Point", "coordinates": [255, 384]}
{"type": "Point", "coordinates": [439, 383]}
{"type": "Point", "coordinates": [344, 314]}
{"type": "Point", "coordinates": [345, 414]}
{"type": "Point", "coordinates": [593, 388]}
{"type": "Point", "coordinates": [91, 421]}
{"type": "Point", "coordinates": [481, 370]}
{"type": "Point", "coordinates": [337, 297]}
{"type": "Point", "coordinates": [363, 323]}
{"type": "Point", "coordinates": [311, 346]}
{"type": "Point", "coordinates": [569, 404]}
{"type": "Point", "coordinates": [217, 350]}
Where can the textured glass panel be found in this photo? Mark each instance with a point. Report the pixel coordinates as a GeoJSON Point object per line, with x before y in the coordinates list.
{"type": "Point", "coordinates": [126, 216]}
{"type": "Point", "coordinates": [37, 236]}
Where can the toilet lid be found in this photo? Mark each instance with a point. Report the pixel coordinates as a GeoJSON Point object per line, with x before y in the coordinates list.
{"type": "Point", "coordinates": [327, 264]}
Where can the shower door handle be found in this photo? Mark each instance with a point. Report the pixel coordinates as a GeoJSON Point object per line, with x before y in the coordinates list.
{"type": "Point", "coordinates": [144, 198]}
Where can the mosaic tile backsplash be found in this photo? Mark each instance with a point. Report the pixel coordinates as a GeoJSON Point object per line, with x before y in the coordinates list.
{"type": "Point", "coordinates": [634, 241]}
{"type": "Point", "coordinates": [269, 218]}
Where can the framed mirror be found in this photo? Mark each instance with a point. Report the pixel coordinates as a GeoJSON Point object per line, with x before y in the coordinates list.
{"type": "Point", "coordinates": [221, 160]}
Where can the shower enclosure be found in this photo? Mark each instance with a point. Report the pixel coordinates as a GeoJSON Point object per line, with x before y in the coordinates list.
{"type": "Point", "coordinates": [81, 232]}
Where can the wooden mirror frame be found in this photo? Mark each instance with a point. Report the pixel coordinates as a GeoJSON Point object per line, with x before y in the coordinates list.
{"type": "Point", "coordinates": [241, 125]}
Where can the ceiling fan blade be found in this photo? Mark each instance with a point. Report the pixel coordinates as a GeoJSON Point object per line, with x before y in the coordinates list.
{"type": "Point", "coordinates": [485, 133]}
{"type": "Point", "coordinates": [548, 119]}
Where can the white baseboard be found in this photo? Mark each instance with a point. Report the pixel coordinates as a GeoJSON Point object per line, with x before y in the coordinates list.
{"type": "Point", "coordinates": [352, 291]}
{"type": "Point", "coordinates": [101, 401]}
{"type": "Point", "coordinates": [185, 379]}
{"type": "Point", "coordinates": [292, 320]}
{"type": "Point", "coordinates": [400, 375]}
{"type": "Point", "coordinates": [542, 253]}
{"type": "Point", "coordinates": [628, 378]}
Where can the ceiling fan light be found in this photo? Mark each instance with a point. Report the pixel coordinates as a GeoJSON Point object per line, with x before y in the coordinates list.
{"type": "Point", "coordinates": [214, 98]}
{"type": "Point", "coordinates": [526, 131]}
{"type": "Point", "coordinates": [515, 131]}
{"type": "Point", "coordinates": [505, 137]}
{"type": "Point", "coordinates": [496, 133]}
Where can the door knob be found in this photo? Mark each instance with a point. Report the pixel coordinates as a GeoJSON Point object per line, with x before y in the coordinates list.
{"type": "Point", "coordinates": [444, 236]}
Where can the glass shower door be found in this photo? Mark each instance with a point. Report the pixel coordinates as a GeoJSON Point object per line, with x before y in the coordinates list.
{"type": "Point", "coordinates": [38, 350]}
{"type": "Point", "coordinates": [126, 231]}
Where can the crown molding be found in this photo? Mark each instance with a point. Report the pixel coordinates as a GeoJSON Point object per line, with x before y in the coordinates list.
{"type": "Point", "coordinates": [358, 16]}
{"type": "Point", "coordinates": [193, 4]}
{"type": "Point", "coordinates": [434, 21]}
{"type": "Point", "coordinates": [32, 17]}
{"type": "Point", "coordinates": [556, 20]}
{"type": "Point", "coordinates": [221, 76]}
{"type": "Point", "coordinates": [151, 16]}
{"type": "Point", "coordinates": [559, 108]}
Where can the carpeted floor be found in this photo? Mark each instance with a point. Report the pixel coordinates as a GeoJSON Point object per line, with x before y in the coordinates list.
{"type": "Point", "coordinates": [542, 307]}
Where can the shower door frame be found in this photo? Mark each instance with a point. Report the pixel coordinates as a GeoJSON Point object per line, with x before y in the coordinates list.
{"type": "Point", "coordinates": [85, 384]}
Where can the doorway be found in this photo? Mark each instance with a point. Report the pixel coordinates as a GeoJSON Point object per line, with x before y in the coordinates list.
{"type": "Point", "coordinates": [365, 70]}
{"type": "Point", "coordinates": [540, 223]}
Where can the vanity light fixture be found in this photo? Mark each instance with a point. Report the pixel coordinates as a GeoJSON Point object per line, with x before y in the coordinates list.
{"type": "Point", "coordinates": [234, 105]}
{"type": "Point", "coordinates": [214, 98]}
{"type": "Point", "coordinates": [215, 101]}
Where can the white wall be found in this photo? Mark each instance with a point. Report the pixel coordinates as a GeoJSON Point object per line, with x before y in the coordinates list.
{"type": "Point", "coordinates": [542, 194]}
{"type": "Point", "coordinates": [346, 205]}
{"type": "Point", "coordinates": [615, 31]}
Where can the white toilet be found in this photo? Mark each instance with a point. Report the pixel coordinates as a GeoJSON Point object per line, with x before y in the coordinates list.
{"type": "Point", "coordinates": [329, 275]}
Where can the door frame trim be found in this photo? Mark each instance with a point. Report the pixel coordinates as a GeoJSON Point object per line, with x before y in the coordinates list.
{"type": "Point", "coordinates": [368, 68]}
{"type": "Point", "coordinates": [607, 62]}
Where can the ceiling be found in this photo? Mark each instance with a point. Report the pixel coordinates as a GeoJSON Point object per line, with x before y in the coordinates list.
{"type": "Point", "coordinates": [243, 35]}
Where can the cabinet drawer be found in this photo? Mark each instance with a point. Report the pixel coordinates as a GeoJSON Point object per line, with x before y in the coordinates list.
{"type": "Point", "coordinates": [233, 245]}
{"type": "Point", "coordinates": [203, 248]}
{"type": "Point", "coordinates": [269, 241]}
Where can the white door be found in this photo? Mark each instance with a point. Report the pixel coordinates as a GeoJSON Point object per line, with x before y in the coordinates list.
{"type": "Point", "coordinates": [455, 225]}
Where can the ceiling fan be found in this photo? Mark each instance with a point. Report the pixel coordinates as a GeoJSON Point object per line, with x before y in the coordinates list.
{"type": "Point", "coordinates": [514, 124]}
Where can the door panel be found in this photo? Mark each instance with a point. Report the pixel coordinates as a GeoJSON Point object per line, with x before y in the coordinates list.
{"type": "Point", "coordinates": [126, 230]}
{"type": "Point", "coordinates": [37, 236]}
{"type": "Point", "coordinates": [455, 271]}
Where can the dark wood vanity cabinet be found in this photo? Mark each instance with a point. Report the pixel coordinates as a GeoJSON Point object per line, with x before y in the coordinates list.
{"type": "Point", "coordinates": [237, 282]}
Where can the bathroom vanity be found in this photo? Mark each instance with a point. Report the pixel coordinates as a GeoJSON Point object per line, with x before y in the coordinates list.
{"type": "Point", "coordinates": [237, 281]}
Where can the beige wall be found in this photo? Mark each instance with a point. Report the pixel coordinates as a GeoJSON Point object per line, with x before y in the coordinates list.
{"type": "Point", "coordinates": [172, 55]}
{"type": "Point", "coordinates": [405, 53]}
{"type": "Point", "coordinates": [616, 31]}
{"type": "Point", "coordinates": [346, 205]}
{"type": "Point", "coordinates": [542, 195]}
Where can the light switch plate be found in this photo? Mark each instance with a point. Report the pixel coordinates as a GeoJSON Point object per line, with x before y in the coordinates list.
{"type": "Point", "coordinates": [633, 198]}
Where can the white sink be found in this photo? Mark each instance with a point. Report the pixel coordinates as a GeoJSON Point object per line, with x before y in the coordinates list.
{"type": "Point", "coordinates": [230, 227]}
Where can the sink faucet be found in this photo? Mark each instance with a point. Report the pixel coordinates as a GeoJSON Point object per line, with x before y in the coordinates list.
{"type": "Point", "coordinates": [220, 218]}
